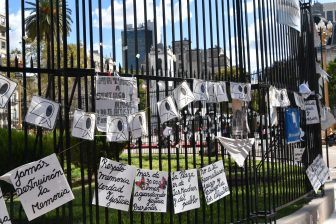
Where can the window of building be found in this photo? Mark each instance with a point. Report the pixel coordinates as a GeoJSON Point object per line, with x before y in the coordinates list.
{"type": "Point", "coordinates": [3, 45]}
{"type": "Point", "coordinates": [330, 15]}
{"type": "Point", "coordinates": [3, 33]}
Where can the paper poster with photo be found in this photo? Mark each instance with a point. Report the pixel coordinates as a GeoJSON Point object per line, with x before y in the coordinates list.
{"type": "Point", "coordinates": [183, 95]}
{"type": "Point", "coordinates": [240, 91]}
{"type": "Point", "coordinates": [237, 148]}
{"type": "Point", "coordinates": [185, 190]}
{"type": "Point", "coordinates": [113, 107]}
{"type": "Point", "coordinates": [298, 152]}
{"type": "Point", "coordinates": [292, 125]}
{"type": "Point", "coordinates": [239, 121]}
{"type": "Point", "coordinates": [138, 124]}
{"type": "Point", "coordinates": [42, 112]}
{"type": "Point", "coordinates": [115, 184]}
{"type": "Point", "coordinates": [116, 87]}
{"type": "Point", "coordinates": [7, 88]}
{"type": "Point", "coordinates": [327, 120]}
{"type": "Point", "coordinates": [299, 101]}
{"type": "Point", "coordinates": [200, 90]}
{"type": "Point", "coordinates": [214, 182]}
{"type": "Point", "coordinates": [4, 216]}
{"type": "Point", "coordinates": [312, 115]}
{"type": "Point", "coordinates": [150, 191]}
{"type": "Point", "coordinates": [167, 110]}
{"type": "Point", "coordinates": [41, 186]}
{"type": "Point", "coordinates": [316, 184]}
{"type": "Point", "coordinates": [274, 97]}
{"type": "Point", "coordinates": [83, 125]}
{"type": "Point", "coordinates": [212, 96]}
{"type": "Point", "coordinates": [221, 93]}
{"type": "Point", "coordinates": [117, 129]}
{"type": "Point", "coordinates": [289, 13]}
{"type": "Point", "coordinates": [283, 98]}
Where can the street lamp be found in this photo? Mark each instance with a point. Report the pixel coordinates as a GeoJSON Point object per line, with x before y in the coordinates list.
{"type": "Point", "coordinates": [324, 30]}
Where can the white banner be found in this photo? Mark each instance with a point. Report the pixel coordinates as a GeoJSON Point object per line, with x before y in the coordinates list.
{"type": "Point", "coordinates": [288, 13]}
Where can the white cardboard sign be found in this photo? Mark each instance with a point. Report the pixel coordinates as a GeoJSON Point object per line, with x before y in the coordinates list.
{"type": "Point", "coordinates": [83, 125]}
{"type": "Point", "coordinates": [42, 112]}
{"type": "Point", "coordinates": [288, 13]}
{"type": "Point", "coordinates": [312, 116]}
{"type": "Point", "coordinates": [214, 182]}
{"type": "Point", "coordinates": [41, 186]}
{"type": "Point", "coordinates": [298, 152]}
{"type": "Point", "coordinates": [212, 96]}
{"type": "Point", "coordinates": [221, 94]}
{"type": "Point", "coordinates": [138, 124]}
{"type": "Point", "coordinates": [316, 184]}
{"type": "Point", "coordinates": [183, 95]}
{"type": "Point", "coordinates": [113, 107]}
{"type": "Point", "coordinates": [7, 88]}
{"type": "Point", "coordinates": [115, 183]}
{"type": "Point", "coordinates": [237, 148]}
{"type": "Point", "coordinates": [240, 91]}
{"type": "Point", "coordinates": [4, 216]}
{"type": "Point", "coordinates": [200, 90]}
{"type": "Point", "coordinates": [167, 109]}
{"type": "Point", "coordinates": [185, 190]}
{"type": "Point", "coordinates": [117, 129]}
{"type": "Point", "coordinates": [150, 191]}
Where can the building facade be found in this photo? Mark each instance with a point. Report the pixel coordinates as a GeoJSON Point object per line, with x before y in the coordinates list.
{"type": "Point", "coordinates": [145, 40]}
{"type": "Point", "coordinates": [2, 35]}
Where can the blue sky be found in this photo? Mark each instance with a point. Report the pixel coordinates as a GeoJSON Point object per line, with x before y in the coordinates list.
{"type": "Point", "coordinates": [15, 23]}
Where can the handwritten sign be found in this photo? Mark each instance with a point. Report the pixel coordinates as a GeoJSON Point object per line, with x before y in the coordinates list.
{"type": "Point", "coordinates": [4, 216]}
{"type": "Point", "coordinates": [214, 182]}
{"type": "Point", "coordinates": [237, 148]}
{"type": "Point", "coordinates": [312, 116]}
{"type": "Point", "coordinates": [150, 191]}
{"type": "Point", "coordinates": [7, 88]}
{"type": "Point", "coordinates": [321, 169]}
{"type": "Point", "coordinates": [41, 186]}
{"type": "Point", "coordinates": [185, 190]}
{"type": "Point", "coordinates": [112, 107]}
{"type": "Point", "coordinates": [316, 184]}
{"type": "Point", "coordinates": [298, 152]}
{"type": "Point", "coordinates": [42, 112]}
{"type": "Point", "coordinates": [115, 182]}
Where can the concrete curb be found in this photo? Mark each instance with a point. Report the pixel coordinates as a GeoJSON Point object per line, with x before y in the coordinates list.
{"type": "Point", "coordinates": [317, 211]}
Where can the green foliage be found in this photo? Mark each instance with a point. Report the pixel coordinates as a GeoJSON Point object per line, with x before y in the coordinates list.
{"type": "Point", "coordinates": [331, 70]}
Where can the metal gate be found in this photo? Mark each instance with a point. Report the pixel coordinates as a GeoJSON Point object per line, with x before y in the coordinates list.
{"type": "Point", "coordinates": [174, 40]}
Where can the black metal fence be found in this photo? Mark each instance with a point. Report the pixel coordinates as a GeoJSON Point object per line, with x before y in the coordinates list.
{"type": "Point", "coordinates": [176, 40]}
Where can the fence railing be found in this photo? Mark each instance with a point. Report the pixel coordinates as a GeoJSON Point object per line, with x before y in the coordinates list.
{"type": "Point", "coordinates": [176, 40]}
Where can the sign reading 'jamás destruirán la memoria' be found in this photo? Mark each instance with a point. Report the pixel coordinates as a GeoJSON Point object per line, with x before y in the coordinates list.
{"type": "Point", "coordinates": [289, 13]}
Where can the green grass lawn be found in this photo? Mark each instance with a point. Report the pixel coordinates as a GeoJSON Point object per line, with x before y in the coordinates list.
{"type": "Point", "coordinates": [226, 213]}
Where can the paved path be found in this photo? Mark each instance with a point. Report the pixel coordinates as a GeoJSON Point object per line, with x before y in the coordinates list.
{"type": "Point", "coordinates": [332, 165]}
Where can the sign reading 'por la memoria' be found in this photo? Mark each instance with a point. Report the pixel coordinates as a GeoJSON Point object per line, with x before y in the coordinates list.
{"type": "Point", "coordinates": [41, 186]}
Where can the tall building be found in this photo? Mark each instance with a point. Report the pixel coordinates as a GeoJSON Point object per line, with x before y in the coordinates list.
{"type": "Point", "coordinates": [143, 36]}
{"type": "Point", "coordinates": [2, 34]}
{"type": "Point", "coordinates": [326, 10]}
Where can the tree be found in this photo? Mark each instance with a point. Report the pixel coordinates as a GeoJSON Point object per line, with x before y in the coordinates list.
{"type": "Point", "coordinates": [331, 70]}
{"type": "Point", "coordinates": [45, 20]}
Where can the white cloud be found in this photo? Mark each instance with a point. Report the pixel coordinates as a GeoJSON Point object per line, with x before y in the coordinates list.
{"type": "Point", "coordinates": [140, 15]}
{"type": "Point", "coordinates": [15, 34]}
